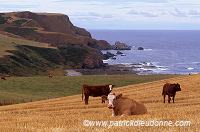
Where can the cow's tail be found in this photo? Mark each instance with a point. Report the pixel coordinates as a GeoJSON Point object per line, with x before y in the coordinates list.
{"type": "Point", "coordinates": [163, 92]}
{"type": "Point", "coordinates": [163, 89]}
{"type": "Point", "coordinates": [82, 92]}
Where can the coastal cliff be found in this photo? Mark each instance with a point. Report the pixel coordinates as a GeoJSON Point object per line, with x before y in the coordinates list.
{"type": "Point", "coordinates": [51, 22]}
{"type": "Point", "coordinates": [52, 28]}
{"type": "Point", "coordinates": [72, 46]}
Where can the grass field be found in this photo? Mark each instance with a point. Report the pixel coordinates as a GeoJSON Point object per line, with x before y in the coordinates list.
{"type": "Point", "coordinates": [25, 89]}
{"type": "Point", "coordinates": [68, 113]}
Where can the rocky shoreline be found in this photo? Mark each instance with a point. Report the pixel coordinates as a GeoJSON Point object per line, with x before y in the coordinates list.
{"type": "Point", "coordinates": [142, 68]}
{"type": "Point", "coordinates": [117, 69]}
{"type": "Point", "coordinates": [112, 69]}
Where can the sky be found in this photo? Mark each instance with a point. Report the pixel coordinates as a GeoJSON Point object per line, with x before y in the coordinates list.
{"type": "Point", "coordinates": [117, 14]}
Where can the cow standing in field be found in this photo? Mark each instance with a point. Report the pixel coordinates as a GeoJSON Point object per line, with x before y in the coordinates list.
{"type": "Point", "coordinates": [3, 78]}
{"type": "Point", "coordinates": [125, 106]}
{"type": "Point", "coordinates": [95, 91]}
{"type": "Point", "coordinates": [50, 75]}
{"type": "Point", "coordinates": [170, 90]}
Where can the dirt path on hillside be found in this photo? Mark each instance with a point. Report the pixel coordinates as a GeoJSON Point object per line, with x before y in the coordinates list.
{"type": "Point", "coordinates": [73, 73]}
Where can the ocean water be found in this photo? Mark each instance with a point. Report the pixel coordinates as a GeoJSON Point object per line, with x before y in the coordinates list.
{"type": "Point", "coordinates": [165, 51]}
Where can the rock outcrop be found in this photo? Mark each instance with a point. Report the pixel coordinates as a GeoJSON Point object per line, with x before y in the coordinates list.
{"type": "Point", "coordinates": [140, 48]}
{"type": "Point", "coordinates": [121, 46]}
{"type": "Point", "coordinates": [108, 55]}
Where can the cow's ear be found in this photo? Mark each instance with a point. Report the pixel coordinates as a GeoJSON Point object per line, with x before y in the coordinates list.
{"type": "Point", "coordinates": [118, 96]}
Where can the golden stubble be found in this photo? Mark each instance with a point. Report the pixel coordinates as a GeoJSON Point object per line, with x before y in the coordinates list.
{"type": "Point", "coordinates": [68, 113]}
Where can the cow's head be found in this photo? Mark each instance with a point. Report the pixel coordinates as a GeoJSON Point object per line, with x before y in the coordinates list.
{"type": "Point", "coordinates": [112, 100]}
{"type": "Point", "coordinates": [104, 98]}
{"type": "Point", "coordinates": [176, 87]}
{"type": "Point", "coordinates": [110, 87]}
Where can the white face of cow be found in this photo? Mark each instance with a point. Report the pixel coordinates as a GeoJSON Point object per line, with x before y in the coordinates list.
{"type": "Point", "coordinates": [110, 86]}
{"type": "Point", "coordinates": [111, 97]}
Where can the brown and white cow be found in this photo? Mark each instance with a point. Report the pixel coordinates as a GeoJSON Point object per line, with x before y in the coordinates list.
{"type": "Point", "coordinates": [170, 90]}
{"type": "Point", "coordinates": [95, 91]}
{"type": "Point", "coordinates": [125, 106]}
{"type": "Point", "coordinates": [50, 75]}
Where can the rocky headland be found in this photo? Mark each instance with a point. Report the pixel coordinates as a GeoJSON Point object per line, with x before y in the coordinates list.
{"type": "Point", "coordinates": [68, 45]}
{"type": "Point", "coordinates": [71, 46]}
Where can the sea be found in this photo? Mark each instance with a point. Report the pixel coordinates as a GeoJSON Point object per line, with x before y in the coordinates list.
{"type": "Point", "coordinates": [165, 51]}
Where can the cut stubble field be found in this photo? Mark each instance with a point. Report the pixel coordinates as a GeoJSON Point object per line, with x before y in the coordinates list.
{"type": "Point", "coordinates": [70, 113]}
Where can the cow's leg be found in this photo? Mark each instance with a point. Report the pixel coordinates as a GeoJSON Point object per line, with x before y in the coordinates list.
{"type": "Point", "coordinates": [113, 114]}
{"type": "Point", "coordinates": [164, 97]}
{"type": "Point", "coordinates": [126, 112]}
{"type": "Point", "coordinates": [86, 99]}
{"type": "Point", "coordinates": [169, 98]}
{"type": "Point", "coordinates": [173, 98]}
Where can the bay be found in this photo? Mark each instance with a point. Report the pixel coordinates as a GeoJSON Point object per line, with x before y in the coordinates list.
{"type": "Point", "coordinates": [165, 51]}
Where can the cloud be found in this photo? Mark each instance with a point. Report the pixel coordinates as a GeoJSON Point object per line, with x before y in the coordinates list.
{"type": "Point", "coordinates": [94, 14]}
{"type": "Point", "coordinates": [144, 14]}
{"type": "Point", "coordinates": [108, 16]}
{"type": "Point", "coordinates": [178, 13]}
{"type": "Point", "coordinates": [119, 1]}
{"type": "Point", "coordinates": [112, 12]}
{"type": "Point", "coordinates": [97, 15]}
{"type": "Point", "coordinates": [194, 12]}
{"type": "Point", "coordinates": [133, 12]}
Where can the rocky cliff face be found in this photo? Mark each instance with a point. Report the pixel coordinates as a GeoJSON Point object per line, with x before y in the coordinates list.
{"type": "Point", "coordinates": [52, 22]}
{"type": "Point", "coordinates": [52, 28]}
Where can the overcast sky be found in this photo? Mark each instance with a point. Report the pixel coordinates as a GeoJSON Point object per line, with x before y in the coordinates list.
{"type": "Point", "coordinates": [117, 14]}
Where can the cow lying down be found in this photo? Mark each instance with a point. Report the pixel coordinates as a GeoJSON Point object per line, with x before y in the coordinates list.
{"type": "Point", "coordinates": [125, 106]}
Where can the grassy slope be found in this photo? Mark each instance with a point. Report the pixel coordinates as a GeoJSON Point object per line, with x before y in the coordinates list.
{"type": "Point", "coordinates": [39, 88]}
{"type": "Point", "coordinates": [68, 113]}
{"type": "Point", "coordinates": [6, 43]}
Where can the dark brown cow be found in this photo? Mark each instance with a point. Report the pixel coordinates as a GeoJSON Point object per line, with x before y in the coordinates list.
{"type": "Point", "coordinates": [3, 78]}
{"type": "Point", "coordinates": [125, 106]}
{"type": "Point", "coordinates": [170, 90]}
{"type": "Point", "coordinates": [104, 98]}
{"type": "Point", "coordinates": [95, 91]}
